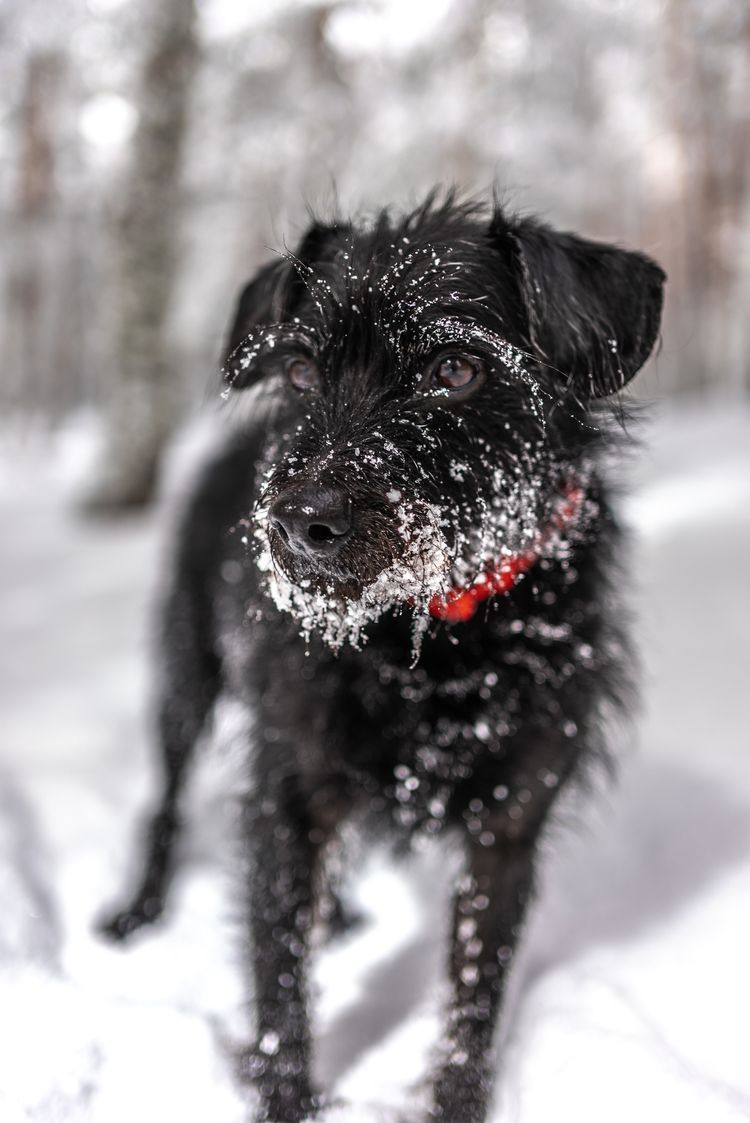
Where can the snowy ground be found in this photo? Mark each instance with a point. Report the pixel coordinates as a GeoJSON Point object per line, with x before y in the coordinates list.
{"type": "Point", "coordinates": [632, 996]}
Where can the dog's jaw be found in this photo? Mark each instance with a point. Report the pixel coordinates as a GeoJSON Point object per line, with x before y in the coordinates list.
{"type": "Point", "coordinates": [421, 572]}
{"type": "Point", "coordinates": [429, 577]}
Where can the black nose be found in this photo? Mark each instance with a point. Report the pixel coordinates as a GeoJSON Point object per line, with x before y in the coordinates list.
{"type": "Point", "coordinates": [312, 520]}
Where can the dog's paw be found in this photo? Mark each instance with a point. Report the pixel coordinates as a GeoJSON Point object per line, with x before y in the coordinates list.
{"type": "Point", "coordinates": [339, 1111]}
{"type": "Point", "coordinates": [271, 1101]}
{"type": "Point", "coordinates": [119, 926]}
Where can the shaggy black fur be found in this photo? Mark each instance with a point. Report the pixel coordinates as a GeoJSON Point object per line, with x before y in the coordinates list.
{"type": "Point", "coordinates": [427, 388]}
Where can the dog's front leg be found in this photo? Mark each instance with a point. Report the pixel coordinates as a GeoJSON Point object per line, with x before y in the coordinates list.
{"type": "Point", "coordinates": [191, 683]}
{"type": "Point", "coordinates": [285, 850]}
{"type": "Point", "coordinates": [488, 910]}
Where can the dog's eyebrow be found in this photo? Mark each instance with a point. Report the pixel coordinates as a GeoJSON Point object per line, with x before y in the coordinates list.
{"type": "Point", "coordinates": [513, 356]}
{"type": "Point", "coordinates": [264, 338]}
{"type": "Point", "coordinates": [447, 330]}
{"type": "Point", "coordinates": [455, 329]}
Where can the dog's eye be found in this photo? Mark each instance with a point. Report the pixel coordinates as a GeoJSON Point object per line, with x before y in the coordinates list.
{"type": "Point", "coordinates": [454, 373]}
{"type": "Point", "coordinates": [303, 374]}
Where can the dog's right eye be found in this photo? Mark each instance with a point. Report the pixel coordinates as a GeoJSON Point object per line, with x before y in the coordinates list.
{"type": "Point", "coordinates": [303, 374]}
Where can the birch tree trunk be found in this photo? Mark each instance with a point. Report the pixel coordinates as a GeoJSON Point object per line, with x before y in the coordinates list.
{"type": "Point", "coordinates": [26, 356]}
{"type": "Point", "coordinates": [141, 391]}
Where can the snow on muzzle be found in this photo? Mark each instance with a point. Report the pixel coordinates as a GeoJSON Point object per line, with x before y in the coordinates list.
{"type": "Point", "coordinates": [337, 560]}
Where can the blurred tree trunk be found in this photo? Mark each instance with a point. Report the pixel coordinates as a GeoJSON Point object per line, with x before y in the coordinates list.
{"type": "Point", "coordinates": [30, 237]}
{"type": "Point", "coordinates": [709, 112]}
{"type": "Point", "coordinates": [141, 393]}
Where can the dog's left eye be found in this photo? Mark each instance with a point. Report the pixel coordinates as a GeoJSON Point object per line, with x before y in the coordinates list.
{"type": "Point", "coordinates": [303, 373]}
{"type": "Point", "coordinates": [454, 373]}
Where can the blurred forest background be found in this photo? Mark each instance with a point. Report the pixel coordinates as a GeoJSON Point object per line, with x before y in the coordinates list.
{"type": "Point", "coordinates": [151, 152]}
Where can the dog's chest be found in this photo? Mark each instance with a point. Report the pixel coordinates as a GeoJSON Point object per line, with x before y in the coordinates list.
{"type": "Point", "coordinates": [422, 747]}
{"type": "Point", "coordinates": [407, 743]}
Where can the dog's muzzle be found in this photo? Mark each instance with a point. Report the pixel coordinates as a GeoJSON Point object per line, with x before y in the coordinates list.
{"type": "Point", "coordinates": [312, 520]}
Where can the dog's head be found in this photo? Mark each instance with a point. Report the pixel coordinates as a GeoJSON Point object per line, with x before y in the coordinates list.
{"type": "Point", "coordinates": [431, 381]}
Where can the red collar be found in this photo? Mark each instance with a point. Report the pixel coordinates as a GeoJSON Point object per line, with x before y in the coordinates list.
{"type": "Point", "coordinates": [460, 604]}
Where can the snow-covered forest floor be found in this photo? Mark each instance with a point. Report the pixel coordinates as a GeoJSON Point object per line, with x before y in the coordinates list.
{"type": "Point", "coordinates": [631, 999]}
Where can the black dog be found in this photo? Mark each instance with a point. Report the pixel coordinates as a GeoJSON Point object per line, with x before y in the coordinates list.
{"type": "Point", "coordinates": [405, 568]}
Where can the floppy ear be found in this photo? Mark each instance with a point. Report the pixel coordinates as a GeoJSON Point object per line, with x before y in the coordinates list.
{"type": "Point", "coordinates": [262, 301]}
{"type": "Point", "coordinates": [271, 296]}
{"type": "Point", "coordinates": [592, 310]}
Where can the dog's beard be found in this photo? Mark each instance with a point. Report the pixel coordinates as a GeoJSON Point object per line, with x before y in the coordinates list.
{"type": "Point", "coordinates": [400, 562]}
{"type": "Point", "coordinates": [339, 604]}
{"type": "Point", "coordinates": [415, 564]}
